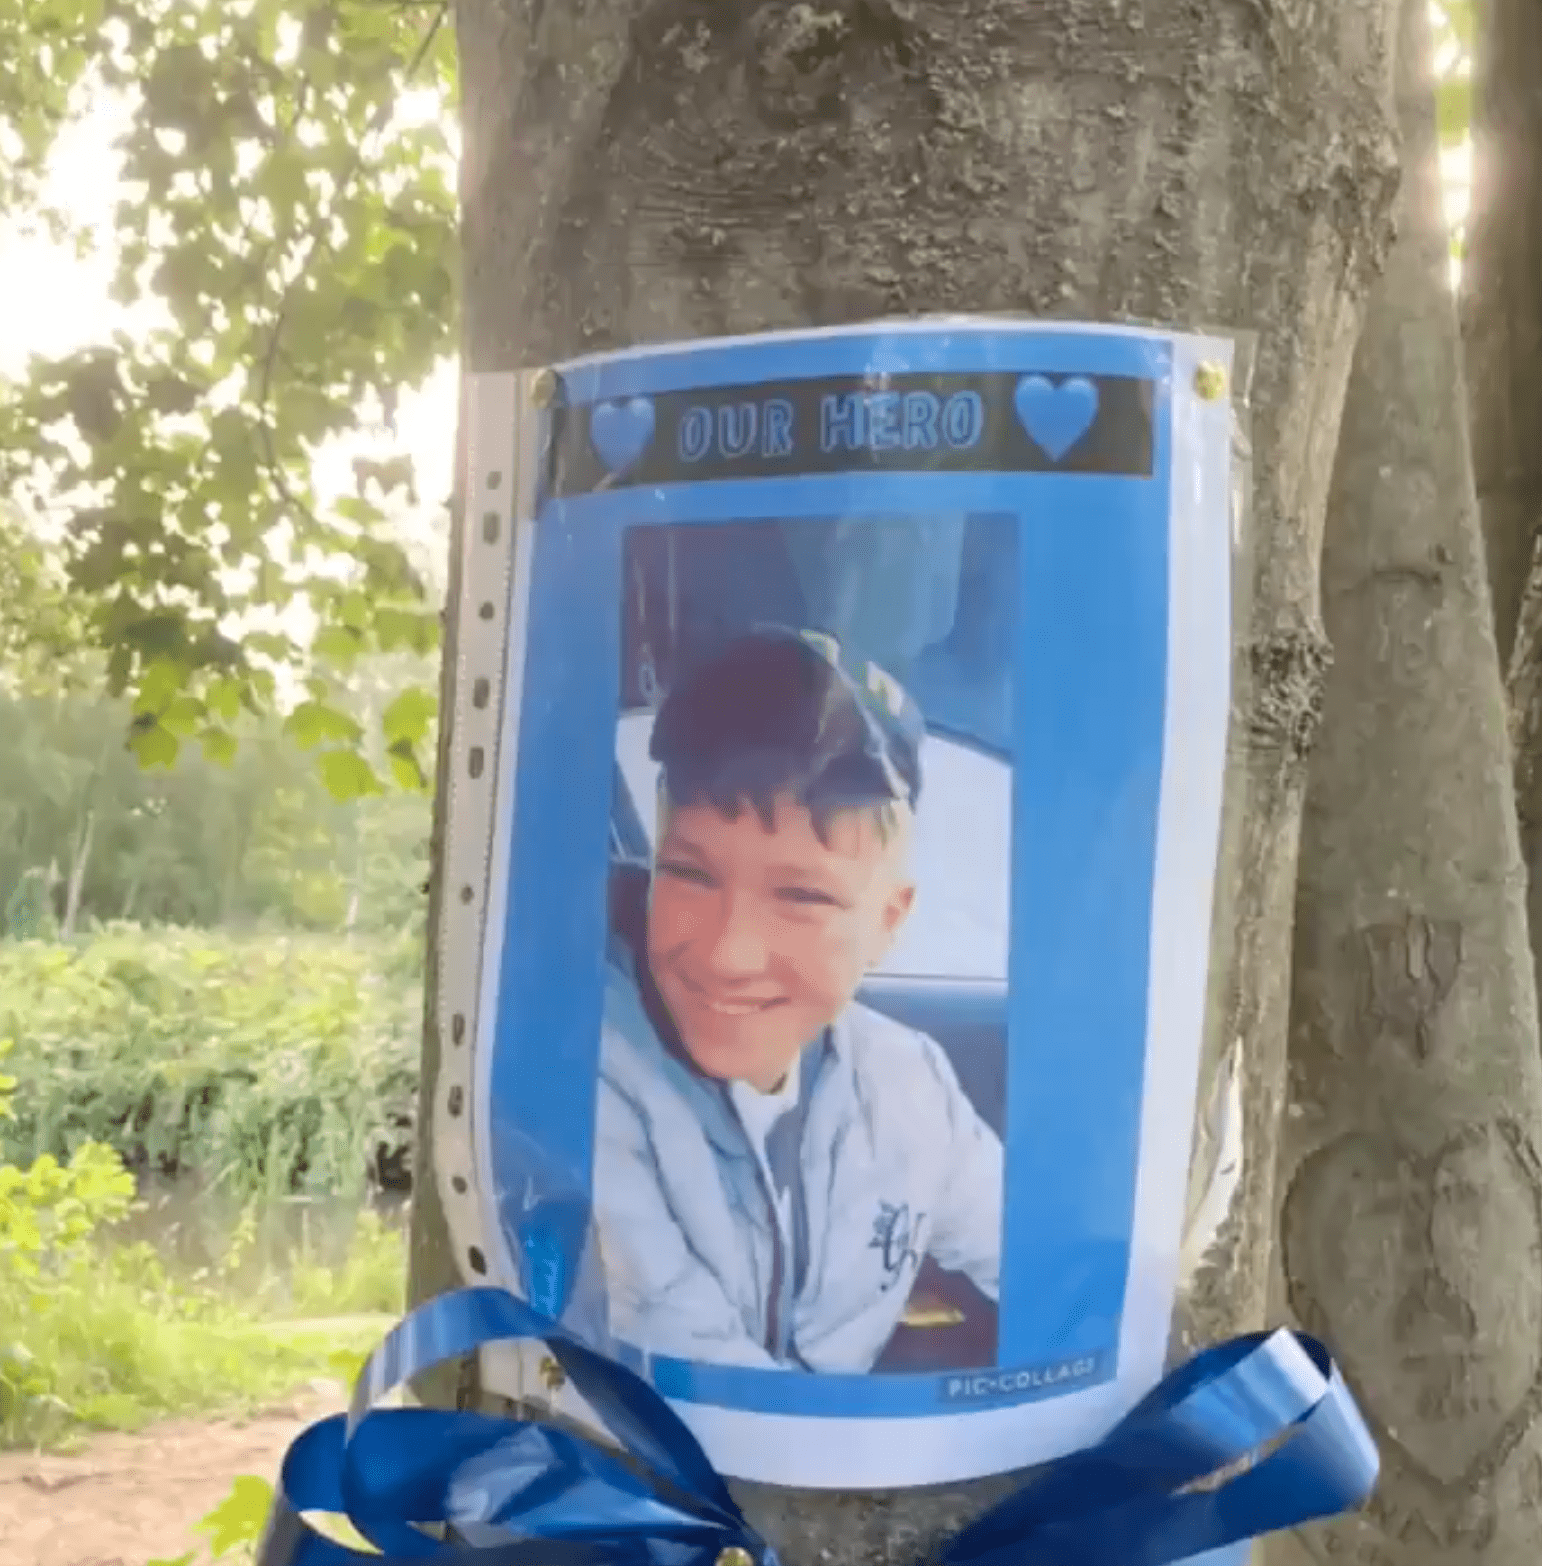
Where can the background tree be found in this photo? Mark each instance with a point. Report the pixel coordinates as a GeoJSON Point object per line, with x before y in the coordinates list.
{"type": "Point", "coordinates": [1502, 297]}
{"type": "Point", "coordinates": [1409, 1172]}
{"type": "Point", "coordinates": [1502, 343]}
{"type": "Point", "coordinates": [251, 840]}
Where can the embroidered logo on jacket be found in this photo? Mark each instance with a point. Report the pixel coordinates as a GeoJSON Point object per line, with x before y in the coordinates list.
{"type": "Point", "coordinates": [894, 1234]}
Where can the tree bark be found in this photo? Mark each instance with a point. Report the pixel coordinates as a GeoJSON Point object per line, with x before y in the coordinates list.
{"type": "Point", "coordinates": [1411, 1221]}
{"type": "Point", "coordinates": [1502, 338]}
{"type": "Point", "coordinates": [637, 170]}
{"type": "Point", "coordinates": [1502, 298]}
{"type": "Point", "coordinates": [1525, 691]}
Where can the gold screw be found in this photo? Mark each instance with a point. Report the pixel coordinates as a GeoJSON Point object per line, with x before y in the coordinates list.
{"type": "Point", "coordinates": [543, 388]}
{"type": "Point", "coordinates": [552, 1374]}
{"type": "Point", "coordinates": [734, 1555]}
{"type": "Point", "coordinates": [1209, 381]}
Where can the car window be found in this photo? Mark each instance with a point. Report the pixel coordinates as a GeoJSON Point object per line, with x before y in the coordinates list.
{"type": "Point", "coordinates": [963, 855]}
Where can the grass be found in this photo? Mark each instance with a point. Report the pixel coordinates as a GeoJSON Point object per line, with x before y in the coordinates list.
{"type": "Point", "coordinates": [108, 1338]}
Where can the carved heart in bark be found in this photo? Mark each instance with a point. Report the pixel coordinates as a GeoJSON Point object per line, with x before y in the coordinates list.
{"type": "Point", "coordinates": [1424, 1275]}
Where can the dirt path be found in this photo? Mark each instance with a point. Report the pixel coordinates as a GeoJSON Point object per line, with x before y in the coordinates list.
{"type": "Point", "coordinates": [125, 1500]}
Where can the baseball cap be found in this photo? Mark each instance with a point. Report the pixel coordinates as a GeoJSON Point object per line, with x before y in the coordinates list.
{"type": "Point", "coordinates": [780, 708]}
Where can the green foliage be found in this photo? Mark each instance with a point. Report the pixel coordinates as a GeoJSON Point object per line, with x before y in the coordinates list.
{"type": "Point", "coordinates": [106, 1336]}
{"type": "Point", "coordinates": [239, 1518]}
{"type": "Point", "coordinates": [41, 630]}
{"type": "Point", "coordinates": [368, 1281]}
{"type": "Point", "coordinates": [99, 1333]}
{"type": "Point", "coordinates": [244, 836]}
{"type": "Point", "coordinates": [236, 1524]}
{"type": "Point", "coordinates": [48, 1209]}
{"type": "Point", "coordinates": [286, 230]}
{"type": "Point", "coordinates": [38, 89]}
{"type": "Point", "coordinates": [263, 1068]}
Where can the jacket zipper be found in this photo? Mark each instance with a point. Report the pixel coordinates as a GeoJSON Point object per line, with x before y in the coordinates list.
{"type": "Point", "coordinates": [773, 1332]}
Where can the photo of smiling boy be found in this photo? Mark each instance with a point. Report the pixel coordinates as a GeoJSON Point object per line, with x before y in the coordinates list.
{"type": "Point", "coordinates": [774, 1160]}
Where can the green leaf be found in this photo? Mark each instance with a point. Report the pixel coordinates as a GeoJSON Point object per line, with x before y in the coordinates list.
{"type": "Point", "coordinates": [238, 1519]}
{"type": "Point", "coordinates": [406, 768]}
{"type": "Point", "coordinates": [182, 715]}
{"type": "Point", "coordinates": [161, 681]}
{"type": "Point", "coordinates": [339, 644]}
{"type": "Point", "coordinates": [224, 698]}
{"type": "Point", "coordinates": [347, 775]}
{"type": "Point", "coordinates": [410, 716]}
{"type": "Point", "coordinates": [154, 746]}
{"type": "Point", "coordinates": [314, 722]}
{"type": "Point", "coordinates": [416, 629]}
{"type": "Point", "coordinates": [353, 611]}
{"type": "Point", "coordinates": [219, 746]}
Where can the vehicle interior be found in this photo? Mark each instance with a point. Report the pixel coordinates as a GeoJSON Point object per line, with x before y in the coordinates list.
{"type": "Point", "coordinates": [932, 601]}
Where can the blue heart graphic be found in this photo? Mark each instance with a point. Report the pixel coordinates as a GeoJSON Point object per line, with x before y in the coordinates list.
{"type": "Point", "coordinates": [1056, 417]}
{"type": "Point", "coordinates": [620, 431]}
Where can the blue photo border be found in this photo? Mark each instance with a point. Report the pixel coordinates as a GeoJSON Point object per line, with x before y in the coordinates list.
{"type": "Point", "coordinates": [1090, 681]}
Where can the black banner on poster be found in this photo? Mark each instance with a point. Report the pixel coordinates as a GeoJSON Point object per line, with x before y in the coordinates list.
{"type": "Point", "coordinates": [939, 423]}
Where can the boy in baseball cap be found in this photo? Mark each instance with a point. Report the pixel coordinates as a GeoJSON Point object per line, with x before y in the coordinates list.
{"type": "Point", "coordinates": [775, 1160]}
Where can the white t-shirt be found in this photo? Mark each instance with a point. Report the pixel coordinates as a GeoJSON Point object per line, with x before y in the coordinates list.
{"type": "Point", "coordinates": [759, 1113]}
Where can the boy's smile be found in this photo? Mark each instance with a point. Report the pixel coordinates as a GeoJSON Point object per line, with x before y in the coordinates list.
{"type": "Point", "coordinates": [759, 936]}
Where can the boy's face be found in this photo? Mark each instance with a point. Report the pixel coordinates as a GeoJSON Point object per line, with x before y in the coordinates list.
{"type": "Point", "coordinates": [758, 939]}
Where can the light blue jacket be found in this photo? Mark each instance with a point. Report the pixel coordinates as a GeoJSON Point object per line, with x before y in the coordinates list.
{"type": "Point", "coordinates": [896, 1165]}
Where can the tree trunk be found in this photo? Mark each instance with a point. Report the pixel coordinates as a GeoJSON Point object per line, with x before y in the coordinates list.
{"type": "Point", "coordinates": [356, 889]}
{"type": "Point", "coordinates": [1526, 742]}
{"type": "Point", "coordinates": [1502, 299]}
{"type": "Point", "coordinates": [638, 170]}
{"type": "Point", "coordinates": [1410, 1217]}
{"type": "Point", "coordinates": [77, 879]}
{"type": "Point", "coordinates": [1502, 339]}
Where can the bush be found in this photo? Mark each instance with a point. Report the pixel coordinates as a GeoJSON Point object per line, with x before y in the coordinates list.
{"type": "Point", "coordinates": [264, 1067]}
{"type": "Point", "coordinates": [97, 1331]}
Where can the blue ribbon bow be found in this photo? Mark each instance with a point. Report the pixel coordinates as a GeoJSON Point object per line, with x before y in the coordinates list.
{"type": "Point", "coordinates": [507, 1492]}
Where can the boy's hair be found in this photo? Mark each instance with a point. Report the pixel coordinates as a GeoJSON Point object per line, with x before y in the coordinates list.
{"type": "Point", "coordinates": [774, 713]}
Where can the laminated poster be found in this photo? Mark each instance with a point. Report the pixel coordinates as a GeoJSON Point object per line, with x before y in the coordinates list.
{"type": "Point", "coordinates": [835, 802]}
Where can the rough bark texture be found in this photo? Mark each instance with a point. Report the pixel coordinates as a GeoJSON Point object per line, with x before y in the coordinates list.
{"type": "Point", "coordinates": [1502, 298]}
{"type": "Point", "coordinates": [1411, 1221]}
{"type": "Point", "coordinates": [1502, 339]}
{"type": "Point", "coordinates": [652, 169]}
{"type": "Point", "coordinates": [1525, 691]}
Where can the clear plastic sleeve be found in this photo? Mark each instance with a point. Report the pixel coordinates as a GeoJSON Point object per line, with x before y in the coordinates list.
{"type": "Point", "coordinates": [839, 796]}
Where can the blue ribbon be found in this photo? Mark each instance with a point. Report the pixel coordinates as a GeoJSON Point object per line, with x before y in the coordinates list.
{"type": "Point", "coordinates": [505, 1492]}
